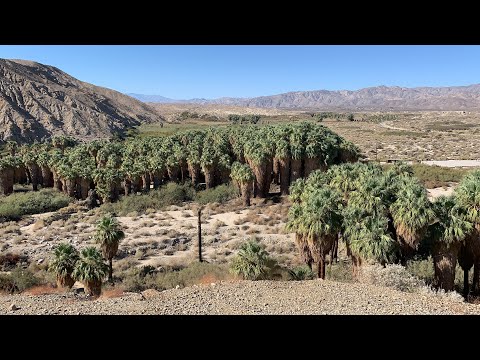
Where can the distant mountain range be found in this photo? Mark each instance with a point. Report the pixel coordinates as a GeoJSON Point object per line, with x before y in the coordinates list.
{"type": "Point", "coordinates": [379, 98]}
{"type": "Point", "coordinates": [38, 101]}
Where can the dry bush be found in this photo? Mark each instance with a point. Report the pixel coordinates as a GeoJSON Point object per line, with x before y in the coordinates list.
{"type": "Point", "coordinates": [111, 293]}
{"type": "Point", "coordinates": [147, 224]}
{"type": "Point", "coordinates": [12, 228]}
{"type": "Point", "coordinates": [150, 211]}
{"type": "Point", "coordinates": [39, 224]}
{"type": "Point", "coordinates": [59, 223]}
{"type": "Point", "coordinates": [245, 227]}
{"type": "Point", "coordinates": [160, 232]}
{"type": "Point", "coordinates": [44, 290]}
{"type": "Point", "coordinates": [252, 231]}
{"type": "Point", "coordinates": [394, 276]}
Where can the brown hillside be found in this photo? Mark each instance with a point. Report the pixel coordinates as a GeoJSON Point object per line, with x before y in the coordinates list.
{"type": "Point", "coordinates": [38, 101]}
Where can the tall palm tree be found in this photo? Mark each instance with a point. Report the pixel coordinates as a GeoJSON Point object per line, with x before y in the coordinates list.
{"type": "Point", "coordinates": [243, 176]}
{"type": "Point", "coordinates": [319, 222]}
{"type": "Point", "coordinates": [411, 212]}
{"type": "Point", "coordinates": [467, 197]}
{"type": "Point", "coordinates": [64, 259]}
{"type": "Point", "coordinates": [109, 234]}
{"type": "Point", "coordinates": [90, 270]}
{"type": "Point", "coordinates": [8, 164]}
{"type": "Point", "coordinates": [446, 235]}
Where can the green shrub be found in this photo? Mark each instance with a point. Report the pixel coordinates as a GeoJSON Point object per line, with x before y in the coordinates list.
{"type": "Point", "coordinates": [139, 279]}
{"type": "Point", "coordinates": [435, 176]}
{"type": "Point", "coordinates": [301, 273]}
{"type": "Point", "coordinates": [18, 280]}
{"type": "Point", "coordinates": [219, 194]}
{"type": "Point", "coordinates": [253, 262]}
{"type": "Point", "coordinates": [422, 269]}
{"type": "Point", "coordinates": [14, 206]}
{"type": "Point", "coordinates": [340, 271]}
{"type": "Point", "coordinates": [169, 194]}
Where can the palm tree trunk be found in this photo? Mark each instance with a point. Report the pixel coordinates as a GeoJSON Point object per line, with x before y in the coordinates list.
{"type": "Point", "coordinates": [259, 171]}
{"type": "Point", "coordinates": [465, 283]}
{"type": "Point", "coordinates": [268, 177]}
{"type": "Point", "coordinates": [84, 188]}
{"type": "Point", "coordinates": [156, 180]}
{"type": "Point", "coordinates": [476, 273]}
{"type": "Point", "coordinates": [321, 267]}
{"type": "Point", "coordinates": [296, 169]}
{"type": "Point", "coordinates": [110, 270]}
{"type": "Point", "coordinates": [65, 281]}
{"type": "Point", "coordinates": [146, 182]}
{"type": "Point", "coordinates": [194, 171]}
{"type": "Point", "coordinates": [284, 176]}
{"type": "Point", "coordinates": [34, 175]}
{"type": "Point", "coordinates": [173, 172]}
{"type": "Point", "coordinates": [276, 171]}
{"type": "Point", "coordinates": [304, 250]}
{"type": "Point", "coordinates": [70, 187]}
{"type": "Point", "coordinates": [93, 288]}
{"type": "Point", "coordinates": [20, 175]}
{"type": "Point", "coordinates": [136, 185]}
{"type": "Point", "coordinates": [57, 182]}
{"type": "Point", "coordinates": [246, 188]}
{"type": "Point", "coordinates": [6, 181]}
{"type": "Point", "coordinates": [209, 176]}
{"type": "Point", "coordinates": [445, 261]}
{"type": "Point", "coordinates": [127, 187]}
{"type": "Point", "coordinates": [47, 176]}
{"type": "Point", "coordinates": [311, 164]}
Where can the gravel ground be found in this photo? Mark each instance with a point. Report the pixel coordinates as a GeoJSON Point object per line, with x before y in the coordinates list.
{"type": "Point", "coordinates": [245, 297]}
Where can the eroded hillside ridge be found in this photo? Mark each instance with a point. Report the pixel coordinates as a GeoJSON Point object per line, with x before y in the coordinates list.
{"type": "Point", "coordinates": [38, 101]}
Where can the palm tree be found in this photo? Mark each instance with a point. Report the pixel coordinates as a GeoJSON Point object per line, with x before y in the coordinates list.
{"type": "Point", "coordinates": [109, 234]}
{"type": "Point", "coordinates": [30, 155]}
{"type": "Point", "coordinates": [318, 220]}
{"type": "Point", "coordinates": [252, 262]}
{"type": "Point", "coordinates": [411, 212]}
{"type": "Point", "coordinates": [243, 176]}
{"type": "Point", "coordinates": [467, 197]}
{"type": "Point", "coordinates": [90, 270]}
{"type": "Point", "coordinates": [446, 235]}
{"type": "Point", "coordinates": [64, 259]}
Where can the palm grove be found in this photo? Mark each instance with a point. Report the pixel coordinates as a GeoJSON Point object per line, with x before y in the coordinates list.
{"type": "Point", "coordinates": [382, 216]}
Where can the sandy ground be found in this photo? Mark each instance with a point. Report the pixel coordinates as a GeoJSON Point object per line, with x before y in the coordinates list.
{"type": "Point", "coordinates": [248, 297]}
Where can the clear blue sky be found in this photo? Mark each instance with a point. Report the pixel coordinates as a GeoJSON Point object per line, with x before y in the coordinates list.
{"type": "Point", "coordinates": [183, 72]}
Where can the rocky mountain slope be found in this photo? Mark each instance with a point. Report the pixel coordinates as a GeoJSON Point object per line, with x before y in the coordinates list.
{"type": "Point", "coordinates": [38, 101]}
{"type": "Point", "coordinates": [374, 98]}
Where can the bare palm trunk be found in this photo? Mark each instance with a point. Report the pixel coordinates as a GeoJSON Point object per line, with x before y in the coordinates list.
{"type": "Point", "coordinates": [268, 177]}
{"type": "Point", "coordinates": [304, 250]}
{"type": "Point", "coordinates": [34, 171]}
{"type": "Point", "coordinates": [173, 172]}
{"type": "Point", "coordinates": [70, 187]}
{"type": "Point", "coordinates": [321, 267]}
{"type": "Point", "coordinates": [476, 273]}
{"type": "Point", "coordinates": [465, 283]}
{"type": "Point", "coordinates": [110, 270]}
{"type": "Point", "coordinates": [146, 182]}
{"type": "Point", "coordinates": [260, 172]}
{"type": "Point", "coordinates": [276, 171]}
{"type": "Point", "coordinates": [246, 188]}
{"type": "Point", "coordinates": [284, 176]}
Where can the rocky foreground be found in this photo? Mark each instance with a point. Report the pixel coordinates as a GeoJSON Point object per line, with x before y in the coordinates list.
{"type": "Point", "coordinates": [244, 297]}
